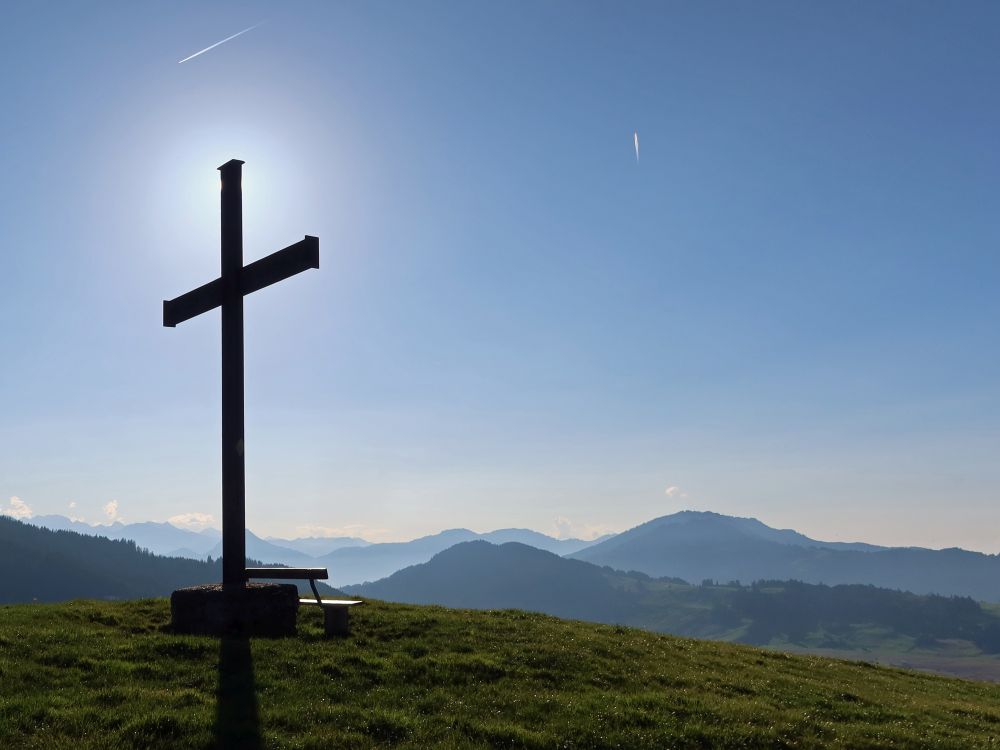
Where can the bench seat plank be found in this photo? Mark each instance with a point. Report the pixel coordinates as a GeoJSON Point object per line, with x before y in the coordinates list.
{"type": "Point", "coordinates": [331, 602]}
{"type": "Point", "coordinates": [282, 573]}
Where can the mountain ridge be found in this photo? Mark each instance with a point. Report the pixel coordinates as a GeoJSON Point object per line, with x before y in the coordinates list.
{"type": "Point", "coordinates": [352, 560]}
{"type": "Point", "coordinates": [698, 545]}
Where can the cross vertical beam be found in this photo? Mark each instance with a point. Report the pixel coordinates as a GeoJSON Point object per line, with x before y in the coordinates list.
{"type": "Point", "coordinates": [227, 292]}
{"type": "Point", "coordinates": [233, 462]}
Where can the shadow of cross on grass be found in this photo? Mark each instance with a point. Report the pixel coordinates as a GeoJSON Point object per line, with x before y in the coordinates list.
{"type": "Point", "coordinates": [237, 722]}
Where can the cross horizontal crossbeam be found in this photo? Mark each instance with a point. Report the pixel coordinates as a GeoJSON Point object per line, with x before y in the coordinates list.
{"type": "Point", "coordinates": [270, 269]}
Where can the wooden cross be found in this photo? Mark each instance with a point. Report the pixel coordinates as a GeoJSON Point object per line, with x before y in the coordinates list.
{"type": "Point", "coordinates": [227, 292]}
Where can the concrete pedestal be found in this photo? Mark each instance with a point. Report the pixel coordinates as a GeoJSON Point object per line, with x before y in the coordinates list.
{"type": "Point", "coordinates": [258, 609]}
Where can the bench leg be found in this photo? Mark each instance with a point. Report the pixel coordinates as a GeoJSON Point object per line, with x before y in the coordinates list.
{"type": "Point", "coordinates": [337, 620]}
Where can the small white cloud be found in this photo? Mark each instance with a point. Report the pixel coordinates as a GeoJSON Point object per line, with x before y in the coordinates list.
{"type": "Point", "coordinates": [17, 509]}
{"type": "Point", "coordinates": [192, 521]}
{"type": "Point", "coordinates": [674, 491]}
{"type": "Point", "coordinates": [564, 528]}
{"type": "Point", "coordinates": [72, 504]}
{"type": "Point", "coordinates": [111, 511]}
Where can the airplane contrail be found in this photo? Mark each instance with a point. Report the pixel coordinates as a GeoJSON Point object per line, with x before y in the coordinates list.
{"type": "Point", "coordinates": [635, 139]}
{"type": "Point", "coordinates": [202, 52]}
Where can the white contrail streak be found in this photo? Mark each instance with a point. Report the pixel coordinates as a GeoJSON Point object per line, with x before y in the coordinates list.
{"type": "Point", "coordinates": [202, 52]}
{"type": "Point", "coordinates": [635, 139]}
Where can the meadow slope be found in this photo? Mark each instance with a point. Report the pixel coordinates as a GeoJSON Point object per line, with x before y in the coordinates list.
{"type": "Point", "coordinates": [88, 674]}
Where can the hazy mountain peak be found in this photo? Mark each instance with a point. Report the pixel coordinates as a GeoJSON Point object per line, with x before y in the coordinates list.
{"type": "Point", "coordinates": [716, 526]}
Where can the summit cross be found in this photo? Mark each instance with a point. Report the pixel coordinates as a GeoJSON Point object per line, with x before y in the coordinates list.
{"type": "Point", "coordinates": [227, 292]}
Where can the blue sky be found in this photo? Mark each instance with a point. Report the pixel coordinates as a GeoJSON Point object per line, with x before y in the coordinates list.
{"type": "Point", "coordinates": [785, 309]}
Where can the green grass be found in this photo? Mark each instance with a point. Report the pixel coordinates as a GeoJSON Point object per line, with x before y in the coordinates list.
{"type": "Point", "coordinates": [109, 675]}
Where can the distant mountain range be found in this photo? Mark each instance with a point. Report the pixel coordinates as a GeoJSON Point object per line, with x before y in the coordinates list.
{"type": "Point", "coordinates": [358, 564]}
{"type": "Point", "coordinates": [479, 575]}
{"type": "Point", "coordinates": [163, 538]}
{"type": "Point", "coordinates": [689, 545]}
{"type": "Point", "coordinates": [349, 559]}
{"type": "Point", "coordinates": [698, 545]}
{"type": "Point", "coordinates": [268, 552]}
{"type": "Point", "coordinates": [160, 538]}
{"type": "Point", "coordinates": [314, 546]}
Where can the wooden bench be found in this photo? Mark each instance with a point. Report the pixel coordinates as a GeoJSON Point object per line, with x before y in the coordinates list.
{"type": "Point", "coordinates": [336, 612]}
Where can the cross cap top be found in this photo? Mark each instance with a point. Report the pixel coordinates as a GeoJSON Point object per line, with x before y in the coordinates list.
{"type": "Point", "coordinates": [231, 164]}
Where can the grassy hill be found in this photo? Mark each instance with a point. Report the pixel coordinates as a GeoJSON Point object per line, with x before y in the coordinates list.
{"type": "Point", "coordinates": [91, 674]}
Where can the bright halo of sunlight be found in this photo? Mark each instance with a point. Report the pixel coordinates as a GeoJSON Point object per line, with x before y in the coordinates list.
{"type": "Point", "coordinates": [184, 207]}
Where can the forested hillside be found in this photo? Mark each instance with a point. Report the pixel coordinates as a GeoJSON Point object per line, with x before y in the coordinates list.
{"type": "Point", "coordinates": [50, 566]}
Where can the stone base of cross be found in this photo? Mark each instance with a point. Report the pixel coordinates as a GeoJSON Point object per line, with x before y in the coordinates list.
{"type": "Point", "coordinates": [257, 609]}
